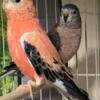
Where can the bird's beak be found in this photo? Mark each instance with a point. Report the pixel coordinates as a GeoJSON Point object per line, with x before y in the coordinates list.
{"type": "Point", "coordinates": [65, 15]}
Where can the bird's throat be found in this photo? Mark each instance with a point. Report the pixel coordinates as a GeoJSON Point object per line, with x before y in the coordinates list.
{"type": "Point", "coordinates": [21, 24]}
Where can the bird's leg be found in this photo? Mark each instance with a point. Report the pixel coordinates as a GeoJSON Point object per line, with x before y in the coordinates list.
{"type": "Point", "coordinates": [31, 85]}
{"type": "Point", "coordinates": [35, 85]}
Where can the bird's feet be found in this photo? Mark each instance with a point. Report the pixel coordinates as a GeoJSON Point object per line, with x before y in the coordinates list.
{"type": "Point", "coordinates": [35, 86]}
{"type": "Point", "coordinates": [32, 86]}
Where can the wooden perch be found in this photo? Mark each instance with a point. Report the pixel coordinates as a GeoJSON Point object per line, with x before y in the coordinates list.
{"type": "Point", "coordinates": [20, 93]}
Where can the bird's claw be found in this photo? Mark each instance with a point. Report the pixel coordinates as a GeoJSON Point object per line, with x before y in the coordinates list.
{"type": "Point", "coordinates": [35, 85]}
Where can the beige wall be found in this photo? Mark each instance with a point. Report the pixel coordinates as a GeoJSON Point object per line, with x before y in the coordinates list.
{"type": "Point", "coordinates": [87, 64]}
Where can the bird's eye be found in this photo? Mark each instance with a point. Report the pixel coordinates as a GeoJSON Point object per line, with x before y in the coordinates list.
{"type": "Point", "coordinates": [17, 1]}
{"type": "Point", "coordinates": [74, 12]}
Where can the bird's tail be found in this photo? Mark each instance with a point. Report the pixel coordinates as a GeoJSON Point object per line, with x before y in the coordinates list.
{"type": "Point", "coordinates": [6, 73]}
{"type": "Point", "coordinates": [70, 90]}
{"type": "Point", "coordinates": [11, 69]}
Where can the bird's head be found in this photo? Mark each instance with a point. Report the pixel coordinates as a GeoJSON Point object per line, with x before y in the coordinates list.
{"type": "Point", "coordinates": [70, 16]}
{"type": "Point", "coordinates": [14, 7]}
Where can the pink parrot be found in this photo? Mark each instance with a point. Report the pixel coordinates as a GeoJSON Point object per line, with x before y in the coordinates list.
{"type": "Point", "coordinates": [33, 52]}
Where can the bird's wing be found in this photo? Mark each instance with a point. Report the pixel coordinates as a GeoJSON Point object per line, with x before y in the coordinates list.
{"type": "Point", "coordinates": [55, 38]}
{"type": "Point", "coordinates": [43, 56]}
{"type": "Point", "coordinates": [45, 60]}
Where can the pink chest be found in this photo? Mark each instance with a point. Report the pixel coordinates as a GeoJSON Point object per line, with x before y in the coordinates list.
{"type": "Point", "coordinates": [19, 57]}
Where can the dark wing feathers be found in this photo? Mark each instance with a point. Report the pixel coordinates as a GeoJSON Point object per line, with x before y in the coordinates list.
{"type": "Point", "coordinates": [34, 57]}
{"type": "Point", "coordinates": [54, 38]}
{"type": "Point", "coordinates": [40, 65]}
